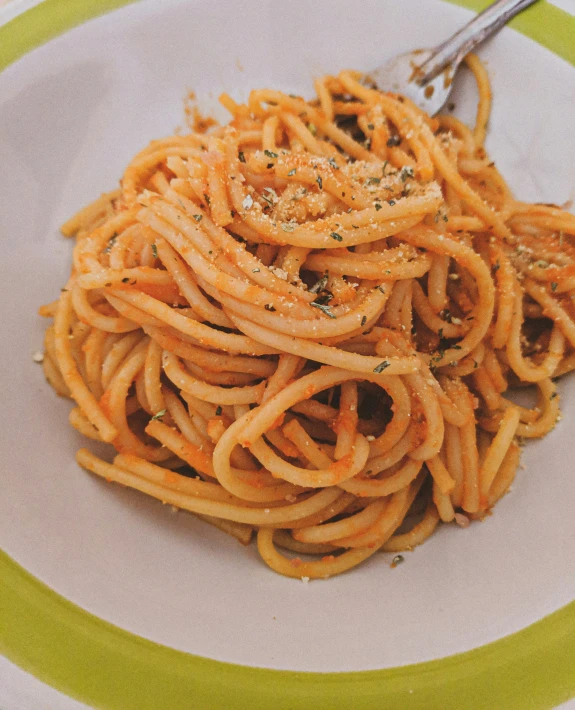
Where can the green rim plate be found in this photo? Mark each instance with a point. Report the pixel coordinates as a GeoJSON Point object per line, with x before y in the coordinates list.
{"type": "Point", "coordinates": [107, 667]}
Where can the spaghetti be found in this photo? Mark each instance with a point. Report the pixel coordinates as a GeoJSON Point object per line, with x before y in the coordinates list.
{"type": "Point", "coordinates": [306, 323]}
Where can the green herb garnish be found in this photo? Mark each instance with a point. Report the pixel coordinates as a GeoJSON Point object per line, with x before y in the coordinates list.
{"type": "Point", "coordinates": [405, 173]}
{"type": "Point", "coordinates": [319, 285]}
{"type": "Point", "coordinates": [111, 243]}
{"type": "Point", "coordinates": [323, 307]}
{"type": "Point", "coordinates": [381, 367]}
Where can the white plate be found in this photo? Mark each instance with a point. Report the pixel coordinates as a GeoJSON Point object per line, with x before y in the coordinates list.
{"type": "Point", "coordinates": [71, 115]}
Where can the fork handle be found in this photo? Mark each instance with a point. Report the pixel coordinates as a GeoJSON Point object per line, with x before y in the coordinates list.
{"type": "Point", "coordinates": [487, 23]}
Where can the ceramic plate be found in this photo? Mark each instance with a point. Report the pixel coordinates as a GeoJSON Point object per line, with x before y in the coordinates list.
{"type": "Point", "coordinates": [111, 597]}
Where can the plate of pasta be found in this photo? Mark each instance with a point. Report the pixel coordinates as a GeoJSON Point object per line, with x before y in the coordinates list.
{"type": "Point", "coordinates": [287, 384]}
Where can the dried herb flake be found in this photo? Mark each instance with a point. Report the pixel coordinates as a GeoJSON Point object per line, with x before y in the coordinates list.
{"type": "Point", "coordinates": [381, 367]}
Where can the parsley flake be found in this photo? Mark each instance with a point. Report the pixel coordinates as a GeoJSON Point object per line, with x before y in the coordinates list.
{"type": "Point", "coordinates": [159, 415]}
{"type": "Point", "coordinates": [554, 286]}
{"type": "Point", "coordinates": [198, 217]}
{"type": "Point", "coordinates": [319, 285]}
{"type": "Point", "coordinates": [270, 154]}
{"type": "Point", "coordinates": [440, 355]}
{"type": "Point", "coordinates": [322, 307]}
{"type": "Point", "coordinates": [336, 236]}
{"type": "Point", "coordinates": [241, 157]}
{"type": "Point", "coordinates": [155, 251]}
{"type": "Point", "coordinates": [381, 367]}
{"type": "Point", "coordinates": [405, 173]}
{"type": "Point", "coordinates": [111, 243]}
{"type": "Point", "coordinates": [218, 411]}
{"type": "Point", "coordinates": [319, 182]}
{"type": "Point", "coordinates": [292, 172]}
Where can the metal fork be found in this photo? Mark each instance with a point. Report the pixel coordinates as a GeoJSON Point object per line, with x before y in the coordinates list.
{"type": "Point", "coordinates": [426, 75]}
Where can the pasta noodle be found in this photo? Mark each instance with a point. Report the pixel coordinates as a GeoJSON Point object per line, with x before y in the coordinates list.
{"type": "Point", "coordinates": [306, 323]}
